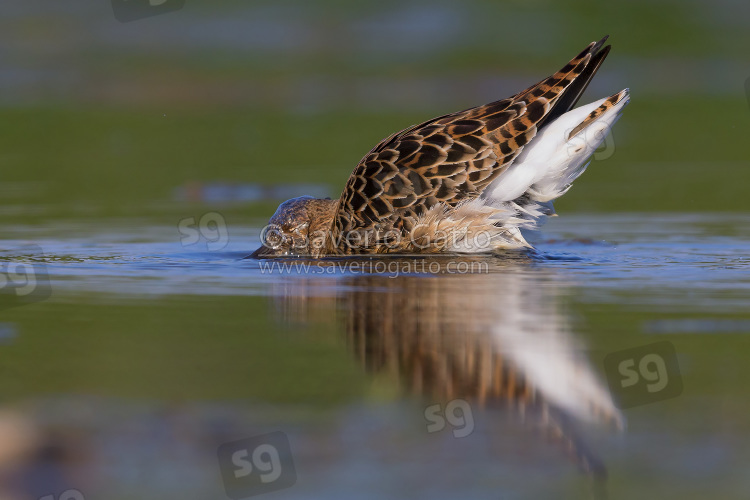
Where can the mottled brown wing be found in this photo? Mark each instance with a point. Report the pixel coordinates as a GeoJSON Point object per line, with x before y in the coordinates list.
{"type": "Point", "coordinates": [453, 157]}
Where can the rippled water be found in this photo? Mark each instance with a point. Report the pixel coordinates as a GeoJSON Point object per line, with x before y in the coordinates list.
{"type": "Point", "coordinates": [137, 357]}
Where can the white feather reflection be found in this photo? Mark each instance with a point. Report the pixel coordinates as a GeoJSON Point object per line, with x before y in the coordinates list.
{"type": "Point", "coordinates": [498, 338]}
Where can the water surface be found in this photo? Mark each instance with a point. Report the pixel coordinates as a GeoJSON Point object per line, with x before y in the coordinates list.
{"type": "Point", "coordinates": [146, 355]}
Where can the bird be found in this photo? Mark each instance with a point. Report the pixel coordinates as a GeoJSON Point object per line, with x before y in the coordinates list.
{"type": "Point", "coordinates": [463, 183]}
{"type": "Point", "coordinates": [446, 340]}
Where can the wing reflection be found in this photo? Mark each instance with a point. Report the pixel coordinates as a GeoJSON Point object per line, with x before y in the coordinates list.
{"type": "Point", "coordinates": [497, 338]}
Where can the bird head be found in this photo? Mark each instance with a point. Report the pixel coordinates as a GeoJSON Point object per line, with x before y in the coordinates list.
{"type": "Point", "coordinates": [299, 227]}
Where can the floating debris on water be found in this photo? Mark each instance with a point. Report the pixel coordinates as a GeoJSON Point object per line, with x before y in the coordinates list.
{"type": "Point", "coordinates": [227, 192]}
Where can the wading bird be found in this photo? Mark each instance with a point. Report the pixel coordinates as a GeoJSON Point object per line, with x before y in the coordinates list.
{"type": "Point", "coordinates": [466, 182]}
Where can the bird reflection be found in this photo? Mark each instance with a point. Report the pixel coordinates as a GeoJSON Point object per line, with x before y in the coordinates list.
{"type": "Point", "coordinates": [496, 338]}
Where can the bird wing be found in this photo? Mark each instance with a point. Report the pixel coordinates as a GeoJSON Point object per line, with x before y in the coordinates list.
{"type": "Point", "coordinates": [454, 157]}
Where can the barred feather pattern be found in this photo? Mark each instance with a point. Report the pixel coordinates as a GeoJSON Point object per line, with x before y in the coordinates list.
{"type": "Point", "coordinates": [445, 161]}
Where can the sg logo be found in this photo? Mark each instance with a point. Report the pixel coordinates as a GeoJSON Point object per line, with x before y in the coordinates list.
{"type": "Point", "coordinates": [644, 374]}
{"type": "Point", "coordinates": [23, 282]}
{"type": "Point", "coordinates": [65, 495]}
{"type": "Point", "coordinates": [211, 227]}
{"type": "Point", "coordinates": [18, 278]}
{"type": "Point", "coordinates": [257, 465]}
{"type": "Point", "coordinates": [132, 10]}
{"type": "Point", "coordinates": [457, 413]}
{"type": "Point", "coordinates": [579, 142]}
